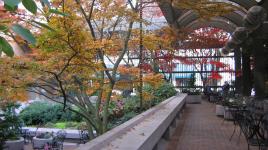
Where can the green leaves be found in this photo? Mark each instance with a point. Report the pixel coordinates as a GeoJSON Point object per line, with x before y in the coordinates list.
{"type": "Point", "coordinates": [55, 11]}
{"type": "Point", "coordinates": [12, 3]}
{"type": "Point", "coordinates": [24, 33]}
{"type": "Point", "coordinates": [30, 5]}
{"type": "Point", "coordinates": [6, 47]}
{"type": "Point", "coordinates": [3, 28]}
{"type": "Point", "coordinates": [9, 8]}
{"type": "Point", "coordinates": [43, 25]}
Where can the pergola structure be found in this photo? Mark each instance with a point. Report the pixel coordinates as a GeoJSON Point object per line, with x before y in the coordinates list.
{"type": "Point", "coordinates": [187, 18]}
{"type": "Point", "coordinates": [179, 18]}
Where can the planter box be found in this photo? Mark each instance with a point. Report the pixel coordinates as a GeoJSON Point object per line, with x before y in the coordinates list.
{"type": "Point", "coordinates": [204, 97]}
{"type": "Point", "coordinates": [220, 110]}
{"type": "Point", "coordinates": [193, 99]}
{"type": "Point", "coordinates": [40, 143]}
{"type": "Point", "coordinates": [14, 145]}
{"type": "Point", "coordinates": [227, 114]}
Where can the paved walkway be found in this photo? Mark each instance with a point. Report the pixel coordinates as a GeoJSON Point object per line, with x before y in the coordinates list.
{"type": "Point", "coordinates": [201, 129]}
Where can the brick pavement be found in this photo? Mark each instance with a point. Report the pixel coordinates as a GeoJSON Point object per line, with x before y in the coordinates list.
{"type": "Point", "coordinates": [201, 129]}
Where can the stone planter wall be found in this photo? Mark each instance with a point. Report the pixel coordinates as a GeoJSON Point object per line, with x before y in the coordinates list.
{"type": "Point", "coordinates": [227, 114]}
{"type": "Point", "coordinates": [193, 99]}
{"type": "Point", "coordinates": [14, 145]}
{"type": "Point", "coordinates": [149, 130]}
{"type": "Point", "coordinates": [220, 110]}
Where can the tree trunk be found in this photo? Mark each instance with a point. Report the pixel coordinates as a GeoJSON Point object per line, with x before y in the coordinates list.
{"type": "Point", "coordinates": [106, 107]}
{"type": "Point", "coordinates": [260, 73]}
{"type": "Point", "coordinates": [90, 131]}
{"type": "Point", "coordinates": [238, 78]}
{"type": "Point", "coordinates": [246, 75]}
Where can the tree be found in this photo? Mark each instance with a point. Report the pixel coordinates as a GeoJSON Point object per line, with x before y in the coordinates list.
{"type": "Point", "coordinates": [16, 22]}
{"type": "Point", "coordinates": [204, 44]}
{"type": "Point", "coordinates": [78, 55]}
{"type": "Point", "coordinates": [74, 63]}
{"type": "Point", "coordinates": [192, 80]}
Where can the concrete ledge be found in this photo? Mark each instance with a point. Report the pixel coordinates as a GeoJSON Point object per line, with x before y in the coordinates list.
{"type": "Point", "coordinates": [14, 145]}
{"type": "Point", "coordinates": [144, 131]}
{"type": "Point", "coordinates": [71, 134]}
{"type": "Point", "coordinates": [193, 99]}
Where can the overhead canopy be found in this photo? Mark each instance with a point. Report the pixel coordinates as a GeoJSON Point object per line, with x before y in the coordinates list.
{"type": "Point", "coordinates": [218, 22]}
{"type": "Point", "coordinates": [180, 18]}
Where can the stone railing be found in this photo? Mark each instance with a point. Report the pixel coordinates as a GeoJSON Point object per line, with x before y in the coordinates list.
{"type": "Point", "coordinates": [149, 130]}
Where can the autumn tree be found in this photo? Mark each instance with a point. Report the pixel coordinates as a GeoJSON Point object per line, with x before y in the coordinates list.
{"type": "Point", "coordinates": [203, 45]}
{"type": "Point", "coordinates": [79, 59]}
{"type": "Point", "coordinates": [78, 55]}
{"type": "Point", "coordinates": [17, 22]}
{"type": "Point", "coordinates": [197, 48]}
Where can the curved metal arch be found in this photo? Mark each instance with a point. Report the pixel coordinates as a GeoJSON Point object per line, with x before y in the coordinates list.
{"type": "Point", "coordinates": [190, 16]}
{"type": "Point", "coordinates": [215, 22]}
{"type": "Point", "coordinates": [173, 14]}
{"type": "Point", "coordinates": [245, 3]}
{"type": "Point", "coordinates": [235, 17]}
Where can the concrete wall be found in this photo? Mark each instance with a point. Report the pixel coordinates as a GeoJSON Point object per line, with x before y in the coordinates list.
{"type": "Point", "coordinates": [147, 131]}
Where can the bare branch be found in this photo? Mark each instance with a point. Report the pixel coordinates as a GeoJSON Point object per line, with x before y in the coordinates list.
{"type": "Point", "coordinates": [88, 18]}
{"type": "Point", "coordinates": [67, 64]}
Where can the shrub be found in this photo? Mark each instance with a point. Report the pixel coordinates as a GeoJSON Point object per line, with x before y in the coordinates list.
{"type": "Point", "coordinates": [165, 91]}
{"type": "Point", "coordinates": [72, 125]}
{"type": "Point", "coordinates": [50, 125]}
{"type": "Point", "coordinates": [63, 125]}
{"type": "Point", "coordinates": [117, 121]}
{"type": "Point", "coordinates": [44, 112]}
{"type": "Point", "coordinates": [161, 93]}
{"type": "Point", "coordinates": [60, 125]}
{"type": "Point", "coordinates": [192, 91]}
{"type": "Point", "coordinates": [82, 126]}
{"type": "Point", "coordinates": [131, 104]}
{"type": "Point", "coordinates": [9, 124]}
{"type": "Point", "coordinates": [116, 109]}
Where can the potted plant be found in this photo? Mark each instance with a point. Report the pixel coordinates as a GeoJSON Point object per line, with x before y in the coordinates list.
{"type": "Point", "coordinates": [219, 109]}
{"type": "Point", "coordinates": [42, 139]}
{"type": "Point", "coordinates": [194, 96]}
{"type": "Point", "coordinates": [234, 103]}
{"type": "Point", "coordinates": [10, 125]}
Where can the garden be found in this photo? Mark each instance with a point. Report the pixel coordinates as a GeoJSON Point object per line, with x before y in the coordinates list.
{"type": "Point", "coordinates": [52, 115]}
{"type": "Point", "coordinates": [75, 69]}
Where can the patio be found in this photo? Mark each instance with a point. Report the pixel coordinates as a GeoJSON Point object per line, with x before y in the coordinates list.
{"type": "Point", "coordinates": [201, 129]}
{"type": "Point", "coordinates": [133, 75]}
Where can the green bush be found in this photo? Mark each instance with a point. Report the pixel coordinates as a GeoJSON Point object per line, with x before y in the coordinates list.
{"type": "Point", "coordinates": [71, 124]}
{"type": "Point", "coordinates": [117, 121]}
{"type": "Point", "coordinates": [131, 104]}
{"type": "Point", "coordinates": [10, 124]}
{"type": "Point", "coordinates": [161, 93]}
{"type": "Point", "coordinates": [60, 125]}
{"type": "Point", "coordinates": [49, 125]}
{"type": "Point", "coordinates": [63, 125]}
{"type": "Point", "coordinates": [164, 91]}
{"type": "Point", "coordinates": [44, 112]}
